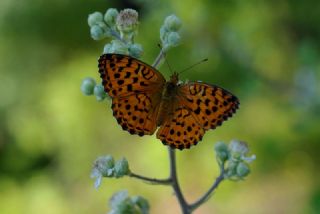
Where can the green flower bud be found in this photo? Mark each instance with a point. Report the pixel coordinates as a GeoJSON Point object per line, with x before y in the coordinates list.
{"type": "Point", "coordinates": [127, 20]}
{"type": "Point", "coordinates": [117, 198]}
{"type": "Point", "coordinates": [142, 203]}
{"type": "Point", "coordinates": [121, 203]}
{"type": "Point", "coordinates": [121, 168]}
{"type": "Point", "coordinates": [220, 147]}
{"type": "Point", "coordinates": [103, 167]}
{"type": "Point", "coordinates": [222, 152]}
{"type": "Point", "coordinates": [110, 16]}
{"type": "Point", "coordinates": [99, 93]}
{"type": "Point", "coordinates": [94, 18]}
{"type": "Point", "coordinates": [163, 34]}
{"type": "Point", "coordinates": [231, 170]}
{"type": "Point", "coordinates": [104, 164]}
{"type": "Point", "coordinates": [107, 48]}
{"type": "Point", "coordinates": [119, 47]}
{"type": "Point", "coordinates": [135, 50]}
{"type": "Point", "coordinates": [172, 23]}
{"type": "Point", "coordinates": [87, 86]}
{"type": "Point", "coordinates": [97, 33]}
{"type": "Point", "coordinates": [238, 149]}
{"type": "Point", "coordinates": [242, 170]}
{"type": "Point", "coordinates": [173, 39]}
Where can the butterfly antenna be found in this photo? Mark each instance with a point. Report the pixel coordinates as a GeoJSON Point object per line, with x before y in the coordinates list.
{"type": "Point", "coordinates": [195, 64]}
{"type": "Point", "coordinates": [165, 58]}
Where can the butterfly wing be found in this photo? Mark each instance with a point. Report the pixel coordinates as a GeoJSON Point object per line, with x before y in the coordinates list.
{"type": "Point", "coordinates": [181, 130]}
{"type": "Point", "coordinates": [210, 105]}
{"type": "Point", "coordinates": [199, 107]}
{"type": "Point", "coordinates": [135, 89]}
{"type": "Point", "coordinates": [137, 113]}
{"type": "Point", "coordinates": [124, 76]}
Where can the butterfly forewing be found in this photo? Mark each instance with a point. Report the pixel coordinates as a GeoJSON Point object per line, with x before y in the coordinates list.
{"type": "Point", "coordinates": [123, 76]}
{"type": "Point", "coordinates": [210, 105]}
{"type": "Point", "coordinates": [135, 88]}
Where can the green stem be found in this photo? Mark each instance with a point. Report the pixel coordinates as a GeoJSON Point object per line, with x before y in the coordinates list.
{"type": "Point", "coordinates": [209, 193]}
{"type": "Point", "coordinates": [175, 184]}
{"type": "Point", "coordinates": [116, 34]}
{"type": "Point", "coordinates": [151, 180]}
{"type": "Point", "coordinates": [159, 58]}
{"type": "Point", "coordinates": [173, 181]}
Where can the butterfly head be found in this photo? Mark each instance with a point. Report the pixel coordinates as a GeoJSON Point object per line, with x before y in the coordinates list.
{"type": "Point", "coordinates": [174, 78]}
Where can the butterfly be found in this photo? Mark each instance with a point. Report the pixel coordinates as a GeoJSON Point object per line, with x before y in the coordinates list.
{"type": "Point", "coordinates": [142, 101]}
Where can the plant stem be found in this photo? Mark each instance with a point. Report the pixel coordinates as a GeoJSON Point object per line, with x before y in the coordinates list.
{"type": "Point", "coordinates": [116, 34]}
{"type": "Point", "coordinates": [175, 183]}
{"type": "Point", "coordinates": [158, 59]}
{"type": "Point", "coordinates": [151, 180]}
{"type": "Point", "coordinates": [208, 194]}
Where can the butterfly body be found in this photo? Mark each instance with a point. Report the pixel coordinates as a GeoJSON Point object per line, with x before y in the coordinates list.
{"type": "Point", "coordinates": [168, 96]}
{"type": "Point", "coordinates": [143, 100]}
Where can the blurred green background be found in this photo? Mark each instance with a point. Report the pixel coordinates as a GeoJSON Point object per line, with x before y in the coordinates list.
{"type": "Point", "coordinates": [265, 52]}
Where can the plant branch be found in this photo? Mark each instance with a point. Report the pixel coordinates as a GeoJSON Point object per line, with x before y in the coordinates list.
{"type": "Point", "coordinates": [175, 183]}
{"type": "Point", "coordinates": [209, 193]}
{"type": "Point", "coordinates": [116, 34]}
{"type": "Point", "coordinates": [151, 180]}
{"type": "Point", "coordinates": [159, 58]}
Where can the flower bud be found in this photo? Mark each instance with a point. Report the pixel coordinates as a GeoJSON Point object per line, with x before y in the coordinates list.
{"type": "Point", "coordinates": [238, 149]}
{"type": "Point", "coordinates": [104, 164]}
{"type": "Point", "coordinates": [96, 32]}
{"type": "Point", "coordinates": [163, 34]}
{"type": "Point", "coordinates": [87, 86]}
{"type": "Point", "coordinates": [127, 20]}
{"type": "Point", "coordinates": [121, 203]}
{"type": "Point", "coordinates": [107, 48]}
{"type": "Point", "coordinates": [142, 203]}
{"type": "Point", "coordinates": [231, 170]}
{"type": "Point", "coordinates": [222, 152]}
{"type": "Point", "coordinates": [118, 47]}
{"type": "Point", "coordinates": [103, 167]}
{"type": "Point", "coordinates": [118, 197]}
{"type": "Point", "coordinates": [99, 93]}
{"type": "Point", "coordinates": [110, 16]}
{"type": "Point", "coordinates": [173, 39]}
{"type": "Point", "coordinates": [121, 168]}
{"type": "Point", "coordinates": [242, 170]}
{"type": "Point", "coordinates": [94, 18]}
{"type": "Point", "coordinates": [172, 23]}
{"type": "Point", "coordinates": [135, 50]}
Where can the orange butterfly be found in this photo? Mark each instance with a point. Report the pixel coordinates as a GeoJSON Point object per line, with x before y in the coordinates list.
{"type": "Point", "coordinates": [142, 100]}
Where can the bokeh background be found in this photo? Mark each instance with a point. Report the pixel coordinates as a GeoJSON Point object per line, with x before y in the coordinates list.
{"type": "Point", "coordinates": [265, 52]}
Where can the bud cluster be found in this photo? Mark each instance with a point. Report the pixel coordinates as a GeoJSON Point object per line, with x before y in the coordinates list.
{"type": "Point", "coordinates": [169, 32]}
{"type": "Point", "coordinates": [120, 26]}
{"type": "Point", "coordinates": [121, 203]}
{"type": "Point", "coordinates": [105, 166]}
{"type": "Point", "coordinates": [233, 160]}
{"type": "Point", "coordinates": [89, 87]}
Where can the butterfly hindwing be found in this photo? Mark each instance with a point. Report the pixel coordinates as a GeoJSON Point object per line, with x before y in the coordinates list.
{"type": "Point", "coordinates": [123, 76]}
{"type": "Point", "coordinates": [181, 130]}
{"type": "Point", "coordinates": [210, 105]}
{"type": "Point", "coordinates": [136, 113]}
